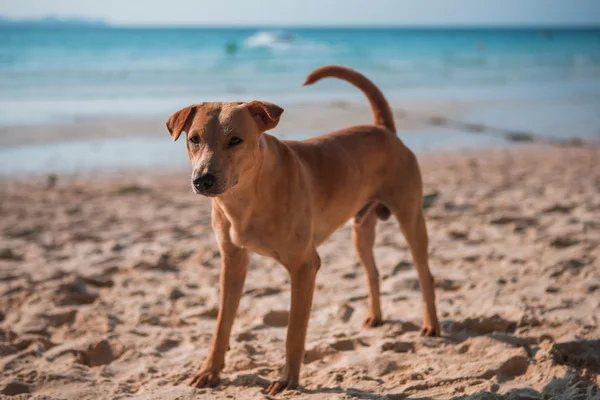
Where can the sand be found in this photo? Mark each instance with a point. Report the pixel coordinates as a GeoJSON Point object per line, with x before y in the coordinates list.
{"type": "Point", "coordinates": [109, 290]}
{"type": "Point", "coordinates": [325, 116]}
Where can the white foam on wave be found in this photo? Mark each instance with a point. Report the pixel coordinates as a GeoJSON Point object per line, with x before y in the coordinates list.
{"type": "Point", "coordinates": [282, 41]}
{"type": "Point", "coordinates": [275, 40]}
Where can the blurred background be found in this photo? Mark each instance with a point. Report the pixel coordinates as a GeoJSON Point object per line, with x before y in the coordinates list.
{"type": "Point", "coordinates": [79, 78]}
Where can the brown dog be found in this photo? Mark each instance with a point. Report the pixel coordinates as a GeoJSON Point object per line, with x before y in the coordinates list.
{"type": "Point", "coordinates": [283, 199]}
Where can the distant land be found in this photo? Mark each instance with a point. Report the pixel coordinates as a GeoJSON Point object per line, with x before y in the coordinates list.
{"type": "Point", "coordinates": [52, 22]}
{"type": "Point", "coordinates": [74, 22]}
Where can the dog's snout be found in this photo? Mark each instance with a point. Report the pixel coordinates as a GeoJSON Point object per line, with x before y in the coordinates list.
{"type": "Point", "coordinates": [204, 182]}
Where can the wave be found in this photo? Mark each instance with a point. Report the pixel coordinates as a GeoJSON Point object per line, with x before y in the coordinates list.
{"type": "Point", "coordinates": [274, 40]}
{"type": "Point", "coordinates": [282, 41]}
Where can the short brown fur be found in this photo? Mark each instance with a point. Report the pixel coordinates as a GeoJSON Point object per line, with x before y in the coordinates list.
{"type": "Point", "coordinates": [283, 199]}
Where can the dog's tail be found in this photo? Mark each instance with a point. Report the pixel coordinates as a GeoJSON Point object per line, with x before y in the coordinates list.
{"type": "Point", "coordinates": [382, 114]}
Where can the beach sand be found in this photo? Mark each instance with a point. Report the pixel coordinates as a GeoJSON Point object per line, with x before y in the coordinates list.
{"type": "Point", "coordinates": [109, 290]}
{"type": "Point", "coordinates": [326, 116]}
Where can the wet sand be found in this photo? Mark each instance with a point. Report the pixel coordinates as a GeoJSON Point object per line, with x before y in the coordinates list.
{"type": "Point", "coordinates": [109, 290]}
{"type": "Point", "coordinates": [324, 117]}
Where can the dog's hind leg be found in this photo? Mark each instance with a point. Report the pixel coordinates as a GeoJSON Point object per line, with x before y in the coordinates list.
{"type": "Point", "coordinates": [404, 198]}
{"type": "Point", "coordinates": [363, 235]}
{"type": "Point", "coordinates": [412, 223]}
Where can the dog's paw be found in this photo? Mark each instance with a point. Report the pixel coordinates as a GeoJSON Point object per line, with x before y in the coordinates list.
{"type": "Point", "coordinates": [430, 330]}
{"type": "Point", "coordinates": [372, 322]}
{"type": "Point", "coordinates": [279, 386]}
{"type": "Point", "coordinates": [205, 378]}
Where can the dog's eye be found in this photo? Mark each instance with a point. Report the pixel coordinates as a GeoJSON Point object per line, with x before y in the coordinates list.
{"type": "Point", "coordinates": [234, 141]}
{"type": "Point", "coordinates": [195, 139]}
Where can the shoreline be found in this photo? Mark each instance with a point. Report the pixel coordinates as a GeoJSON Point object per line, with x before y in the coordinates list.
{"type": "Point", "coordinates": [554, 119]}
{"type": "Point", "coordinates": [97, 145]}
{"type": "Point", "coordinates": [312, 117]}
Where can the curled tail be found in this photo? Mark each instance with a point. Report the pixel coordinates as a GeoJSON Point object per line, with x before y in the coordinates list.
{"type": "Point", "coordinates": [382, 114]}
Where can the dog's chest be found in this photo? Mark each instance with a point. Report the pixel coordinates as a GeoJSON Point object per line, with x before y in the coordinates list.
{"type": "Point", "coordinates": [255, 238]}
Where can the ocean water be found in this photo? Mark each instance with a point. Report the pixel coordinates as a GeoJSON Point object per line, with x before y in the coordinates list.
{"type": "Point", "coordinates": [66, 74]}
{"type": "Point", "coordinates": [541, 81]}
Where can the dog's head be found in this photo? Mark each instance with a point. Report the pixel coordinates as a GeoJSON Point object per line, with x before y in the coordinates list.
{"type": "Point", "coordinates": [222, 140]}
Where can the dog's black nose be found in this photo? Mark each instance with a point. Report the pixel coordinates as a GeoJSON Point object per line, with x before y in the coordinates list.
{"type": "Point", "coordinates": [204, 182]}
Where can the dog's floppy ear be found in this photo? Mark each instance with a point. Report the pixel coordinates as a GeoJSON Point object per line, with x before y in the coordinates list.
{"type": "Point", "coordinates": [265, 114]}
{"type": "Point", "coordinates": [181, 121]}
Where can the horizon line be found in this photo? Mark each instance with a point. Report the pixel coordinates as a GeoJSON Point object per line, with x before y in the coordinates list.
{"type": "Point", "coordinates": [357, 25]}
{"type": "Point", "coordinates": [106, 25]}
{"type": "Point", "coordinates": [103, 23]}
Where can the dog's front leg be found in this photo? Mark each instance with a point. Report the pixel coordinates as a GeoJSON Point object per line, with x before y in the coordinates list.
{"type": "Point", "coordinates": [303, 286]}
{"type": "Point", "coordinates": [233, 274]}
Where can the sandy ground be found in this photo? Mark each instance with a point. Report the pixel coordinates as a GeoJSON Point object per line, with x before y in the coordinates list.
{"type": "Point", "coordinates": [324, 117]}
{"type": "Point", "coordinates": [109, 290]}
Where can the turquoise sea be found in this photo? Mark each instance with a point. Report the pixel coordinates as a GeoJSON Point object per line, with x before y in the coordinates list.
{"type": "Point", "coordinates": [50, 75]}
{"type": "Point", "coordinates": [68, 73]}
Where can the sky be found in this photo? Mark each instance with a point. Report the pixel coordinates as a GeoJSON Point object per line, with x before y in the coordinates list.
{"type": "Point", "coordinates": [314, 12]}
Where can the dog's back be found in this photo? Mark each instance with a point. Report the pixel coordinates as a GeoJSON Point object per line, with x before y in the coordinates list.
{"type": "Point", "coordinates": [347, 168]}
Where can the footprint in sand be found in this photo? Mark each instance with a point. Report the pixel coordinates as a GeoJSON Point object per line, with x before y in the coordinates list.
{"type": "Point", "coordinates": [483, 325]}
{"type": "Point", "coordinates": [562, 242]}
{"type": "Point", "coordinates": [472, 258]}
{"type": "Point", "coordinates": [176, 293]}
{"type": "Point", "coordinates": [276, 319]}
{"type": "Point", "coordinates": [345, 312]}
{"type": "Point", "coordinates": [60, 317]}
{"type": "Point", "coordinates": [10, 255]}
{"type": "Point", "coordinates": [167, 344]}
{"type": "Point", "coordinates": [344, 345]}
{"type": "Point", "coordinates": [98, 280]}
{"type": "Point", "coordinates": [552, 289]}
{"type": "Point", "coordinates": [558, 208]}
{"type": "Point", "coordinates": [456, 234]}
{"type": "Point", "coordinates": [514, 219]}
{"type": "Point", "coordinates": [75, 292]}
{"type": "Point", "coordinates": [22, 342]}
{"type": "Point", "coordinates": [402, 266]}
{"type": "Point", "coordinates": [572, 265]}
{"type": "Point", "coordinates": [15, 388]}
{"type": "Point", "coordinates": [245, 336]}
{"type": "Point", "coordinates": [449, 285]}
{"type": "Point", "coordinates": [398, 347]}
{"type": "Point", "coordinates": [350, 275]}
{"type": "Point", "coordinates": [101, 353]}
